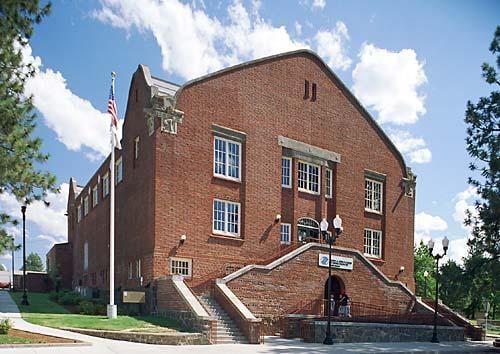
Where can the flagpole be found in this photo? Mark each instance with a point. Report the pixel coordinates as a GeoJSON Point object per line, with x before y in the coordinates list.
{"type": "Point", "coordinates": [112, 310]}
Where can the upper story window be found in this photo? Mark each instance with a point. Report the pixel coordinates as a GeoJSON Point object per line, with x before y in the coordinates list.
{"type": "Point", "coordinates": [226, 218]}
{"type": "Point", "coordinates": [85, 256]}
{"type": "Point", "coordinates": [86, 205]}
{"type": "Point", "coordinates": [307, 229]}
{"type": "Point", "coordinates": [181, 266]}
{"type": "Point", "coordinates": [308, 178]}
{"type": "Point", "coordinates": [372, 243]}
{"type": "Point", "coordinates": [285, 233]}
{"type": "Point", "coordinates": [105, 185]}
{"type": "Point", "coordinates": [119, 171]}
{"type": "Point", "coordinates": [286, 172]}
{"type": "Point", "coordinates": [136, 148]}
{"type": "Point", "coordinates": [95, 196]}
{"type": "Point", "coordinates": [329, 183]}
{"type": "Point", "coordinates": [227, 159]}
{"type": "Point", "coordinates": [373, 195]}
{"type": "Point", "coordinates": [79, 213]}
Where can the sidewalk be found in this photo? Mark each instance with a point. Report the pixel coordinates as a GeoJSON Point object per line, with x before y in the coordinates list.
{"type": "Point", "coordinates": [272, 345]}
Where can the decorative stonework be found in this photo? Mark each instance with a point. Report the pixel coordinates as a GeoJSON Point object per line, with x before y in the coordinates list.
{"type": "Point", "coordinates": [410, 183]}
{"type": "Point", "coordinates": [162, 107]}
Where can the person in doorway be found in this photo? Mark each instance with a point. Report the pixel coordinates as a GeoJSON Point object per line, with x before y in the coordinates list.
{"type": "Point", "coordinates": [332, 305]}
{"type": "Point", "coordinates": [345, 305]}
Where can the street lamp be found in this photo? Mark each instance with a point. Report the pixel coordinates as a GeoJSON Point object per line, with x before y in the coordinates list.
{"type": "Point", "coordinates": [426, 274]}
{"type": "Point", "coordinates": [437, 257]}
{"type": "Point", "coordinates": [25, 296]}
{"type": "Point", "coordinates": [337, 225]}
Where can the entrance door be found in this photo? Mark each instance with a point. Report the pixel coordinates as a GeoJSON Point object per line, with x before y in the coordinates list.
{"type": "Point", "coordinates": [336, 288]}
{"type": "Point", "coordinates": [308, 229]}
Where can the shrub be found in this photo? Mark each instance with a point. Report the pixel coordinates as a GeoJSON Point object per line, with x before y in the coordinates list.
{"type": "Point", "coordinates": [91, 308]}
{"type": "Point", "coordinates": [69, 298]}
{"type": "Point", "coordinates": [5, 326]}
{"type": "Point", "coordinates": [54, 296]}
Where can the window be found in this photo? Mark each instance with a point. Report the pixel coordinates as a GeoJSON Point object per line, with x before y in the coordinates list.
{"type": "Point", "coordinates": [79, 213]}
{"type": "Point", "coordinates": [373, 239]}
{"type": "Point", "coordinates": [285, 233]}
{"type": "Point", "coordinates": [227, 161]}
{"type": "Point", "coordinates": [329, 183]}
{"type": "Point", "coordinates": [286, 172]}
{"type": "Point", "coordinates": [373, 196]}
{"type": "Point", "coordinates": [130, 270]}
{"type": "Point", "coordinates": [136, 148]}
{"type": "Point", "coordinates": [119, 171]}
{"type": "Point", "coordinates": [226, 218]}
{"type": "Point", "coordinates": [308, 229]}
{"type": "Point", "coordinates": [85, 256]}
{"type": "Point", "coordinates": [138, 268]}
{"type": "Point", "coordinates": [181, 266]}
{"type": "Point", "coordinates": [308, 178]}
{"type": "Point", "coordinates": [95, 196]}
{"type": "Point", "coordinates": [105, 185]}
{"type": "Point", "coordinates": [86, 205]}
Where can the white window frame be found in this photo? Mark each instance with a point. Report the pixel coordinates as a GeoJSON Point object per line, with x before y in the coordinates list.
{"type": "Point", "coordinates": [285, 233]}
{"type": "Point", "coordinates": [289, 175]}
{"type": "Point", "coordinates": [329, 183]}
{"type": "Point", "coordinates": [370, 199]}
{"type": "Point", "coordinates": [136, 147]}
{"type": "Point", "coordinates": [118, 171]}
{"type": "Point", "coordinates": [226, 175]}
{"type": "Point", "coordinates": [130, 270]}
{"type": "Point", "coordinates": [226, 218]}
{"type": "Point", "coordinates": [105, 185]}
{"type": "Point", "coordinates": [86, 205]}
{"type": "Point", "coordinates": [79, 213]}
{"type": "Point", "coordinates": [86, 256]}
{"type": "Point", "coordinates": [138, 269]}
{"type": "Point", "coordinates": [308, 179]}
{"type": "Point", "coordinates": [369, 250]}
{"type": "Point", "coordinates": [95, 195]}
{"type": "Point", "coordinates": [173, 266]}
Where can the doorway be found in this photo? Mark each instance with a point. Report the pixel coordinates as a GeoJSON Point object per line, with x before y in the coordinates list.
{"type": "Point", "coordinates": [336, 288]}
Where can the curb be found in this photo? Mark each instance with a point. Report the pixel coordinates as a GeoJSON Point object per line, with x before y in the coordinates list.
{"type": "Point", "coordinates": [45, 345]}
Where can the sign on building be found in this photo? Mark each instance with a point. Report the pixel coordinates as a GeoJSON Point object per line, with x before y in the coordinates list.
{"type": "Point", "coordinates": [134, 297]}
{"type": "Point", "coordinates": [337, 261]}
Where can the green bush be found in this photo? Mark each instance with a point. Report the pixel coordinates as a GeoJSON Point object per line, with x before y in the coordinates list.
{"type": "Point", "coordinates": [69, 298]}
{"type": "Point", "coordinates": [91, 308]}
{"type": "Point", "coordinates": [54, 296]}
{"type": "Point", "coordinates": [5, 326]}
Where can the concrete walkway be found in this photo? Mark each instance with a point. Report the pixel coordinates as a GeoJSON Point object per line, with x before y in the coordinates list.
{"type": "Point", "coordinates": [273, 345]}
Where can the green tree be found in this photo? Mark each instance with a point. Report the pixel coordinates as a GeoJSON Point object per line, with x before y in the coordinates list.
{"type": "Point", "coordinates": [425, 286]}
{"type": "Point", "coordinates": [34, 263]}
{"type": "Point", "coordinates": [20, 152]}
{"type": "Point", "coordinates": [483, 145]}
{"type": "Point", "coordinates": [453, 291]}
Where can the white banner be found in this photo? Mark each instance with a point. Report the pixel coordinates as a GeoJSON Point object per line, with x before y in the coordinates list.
{"type": "Point", "coordinates": [337, 261]}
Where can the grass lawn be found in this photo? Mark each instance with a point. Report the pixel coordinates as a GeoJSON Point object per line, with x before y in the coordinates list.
{"type": "Point", "coordinates": [45, 312]}
{"type": "Point", "coordinates": [6, 339]}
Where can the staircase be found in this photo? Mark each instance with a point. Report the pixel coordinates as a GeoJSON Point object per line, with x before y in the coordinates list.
{"type": "Point", "coordinates": [227, 331]}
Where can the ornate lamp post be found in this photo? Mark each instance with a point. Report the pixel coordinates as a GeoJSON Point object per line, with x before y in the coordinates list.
{"type": "Point", "coordinates": [426, 274]}
{"type": "Point", "coordinates": [337, 224]}
{"type": "Point", "coordinates": [25, 296]}
{"type": "Point", "coordinates": [437, 257]}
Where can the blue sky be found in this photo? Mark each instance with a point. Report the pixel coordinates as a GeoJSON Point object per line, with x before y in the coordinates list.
{"type": "Point", "coordinates": [414, 65]}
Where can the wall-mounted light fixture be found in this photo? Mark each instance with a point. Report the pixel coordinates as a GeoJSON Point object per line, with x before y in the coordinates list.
{"type": "Point", "coordinates": [183, 238]}
{"type": "Point", "coordinates": [278, 217]}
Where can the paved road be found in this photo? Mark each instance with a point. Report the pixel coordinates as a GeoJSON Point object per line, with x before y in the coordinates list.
{"type": "Point", "coordinates": [273, 345]}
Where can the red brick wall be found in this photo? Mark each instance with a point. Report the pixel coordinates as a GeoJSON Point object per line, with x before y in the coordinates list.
{"type": "Point", "coordinates": [60, 257]}
{"type": "Point", "coordinates": [301, 279]}
{"type": "Point", "coordinates": [265, 101]}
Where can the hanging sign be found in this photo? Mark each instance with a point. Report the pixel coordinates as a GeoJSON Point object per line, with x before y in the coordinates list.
{"type": "Point", "coordinates": [337, 261]}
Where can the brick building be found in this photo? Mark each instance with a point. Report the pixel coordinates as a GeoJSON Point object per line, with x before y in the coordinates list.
{"type": "Point", "coordinates": [230, 175]}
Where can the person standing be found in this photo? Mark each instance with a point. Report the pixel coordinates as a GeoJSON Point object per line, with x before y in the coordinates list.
{"type": "Point", "coordinates": [345, 306]}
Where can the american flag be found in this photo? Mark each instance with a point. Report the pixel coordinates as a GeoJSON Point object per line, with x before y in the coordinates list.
{"type": "Point", "coordinates": [112, 107]}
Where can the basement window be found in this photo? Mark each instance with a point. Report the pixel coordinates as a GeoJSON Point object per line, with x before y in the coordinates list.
{"type": "Point", "coordinates": [181, 266]}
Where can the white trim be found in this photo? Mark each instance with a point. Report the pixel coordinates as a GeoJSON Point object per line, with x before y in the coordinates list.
{"type": "Point", "coordinates": [289, 233]}
{"type": "Point", "coordinates": [373, 231]}
{"type": "Point", "coordinates": [136, 147]}
{"type": "Point", "coordinates": [234, 299]}
{"type": "Point", "coordinates": [290, 173]}
{"type": "Point", "coordinates": [329, 183]}
{"type": "Point", "coordinates": [95, 196]}
{"type": "Point", "coordinates": [226, 175]}
{"type": "Point", "coordinates": [105, 182]}
{"type": "Point", "coordinates": [226, 233]}
{"type": "Point", "coordinates": [188, 296]}
{"type": "Point", "coordinates": [119, 176]}
{"type": "Point", "coordinates": [86, 205]}
{"type": "Point", "coordinates": [308, 180]}
{"type": "Point", "coordinates": [189, 262]}
{"type": "Point", "coordinates": [372, 196]}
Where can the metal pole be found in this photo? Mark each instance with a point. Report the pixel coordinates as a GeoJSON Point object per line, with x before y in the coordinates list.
{"type": "Point", "coordinates": [25, 296]}
{"type": "Point", "coordinates": [434, 333]}
{"type": "Point", "coordinates": [13, 246]}
{"type": "Point", "coordinates": [111, 310]}
{"type": "Point", "coordinates": [425, 287]}
{"type": "Point", "coordinates": [328, 338]}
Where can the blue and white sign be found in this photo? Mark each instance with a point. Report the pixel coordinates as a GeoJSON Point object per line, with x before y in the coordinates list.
{"type": "Point", "coordinates": [337, 262]}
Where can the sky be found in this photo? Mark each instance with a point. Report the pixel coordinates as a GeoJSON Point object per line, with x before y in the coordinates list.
{"type": "Point", "coordinates": [412, 64]}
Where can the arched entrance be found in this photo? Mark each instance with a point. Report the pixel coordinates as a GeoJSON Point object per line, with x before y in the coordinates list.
{"type": "Point", "coordinates": [307, 229]}
{"type": "Point", "coordinates": [336, 288]}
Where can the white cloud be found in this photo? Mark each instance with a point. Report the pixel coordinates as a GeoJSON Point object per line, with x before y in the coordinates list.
{"type": "Point", "coordinates": [49, 220]}
{"type": "Point", "coordinates": [193, 43]}
{"type": "Point", "coordinates": [51, 240]}
{"type": "Point", "coordinates": [415, 149]}
{"type": "Point", "coordinates": [426, 223]}
{"type": "Point", "coordinates": [298, 28]}
{"type": "Point", "coordinates": [458, 249]}
{"type": "Point", "coordinates": [389, 82]}
{"type": "Point", "coordinates": [77, 124]}
{"type": "Point", "coordinates": [465, 202]}
{"type": "Point", "coordinates": [331, 46]}
{"type": "Point", "coordinates": [318, 4]}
